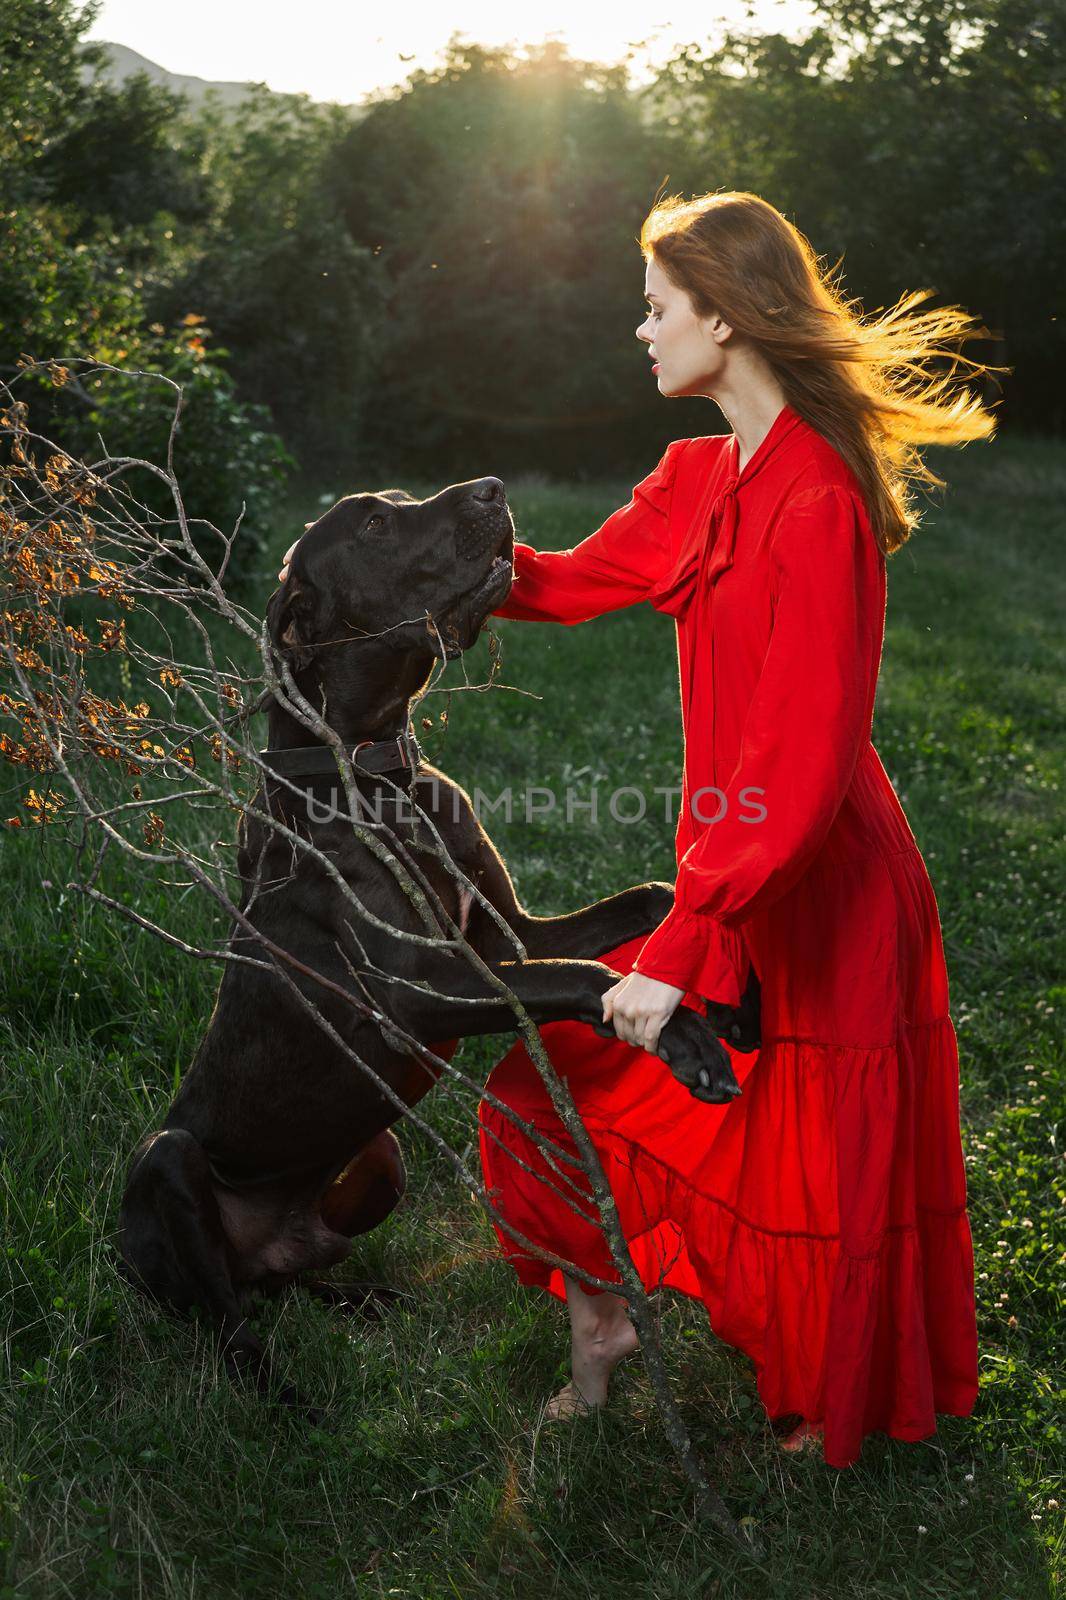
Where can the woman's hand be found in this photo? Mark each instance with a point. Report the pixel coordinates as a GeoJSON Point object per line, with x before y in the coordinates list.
{"type": "Point", "coordinates": [284, 573]}
{"type": "Point", "coordinates": [640, 1008]}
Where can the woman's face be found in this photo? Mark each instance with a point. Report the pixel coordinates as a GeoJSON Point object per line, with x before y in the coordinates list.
{"type": "Point", "coordinates": [688, 352]}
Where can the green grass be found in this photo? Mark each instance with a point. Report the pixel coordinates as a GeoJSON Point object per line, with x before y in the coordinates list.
{"type": "Point", "coordinates": [130, 1467]}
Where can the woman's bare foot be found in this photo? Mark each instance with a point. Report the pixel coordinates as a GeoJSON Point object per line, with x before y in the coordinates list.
{"type": "Point", "coordinates": [806, 1437]}
{"type": "Point", "coordinates": [601, 1335]}
{"type": "Point", "coordinates": [566, 1404]}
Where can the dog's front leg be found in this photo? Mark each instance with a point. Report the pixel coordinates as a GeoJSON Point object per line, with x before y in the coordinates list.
{"type": "Point", "coordinates": [586, 934]}
{"type": "Point", "coordinates": [596, 929]}
{"type": "Point", "coordinates": [457, 1001]}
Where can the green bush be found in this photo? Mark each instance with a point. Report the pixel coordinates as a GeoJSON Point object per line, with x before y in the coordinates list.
{"type": "Point", "coordinates": [230, 465]}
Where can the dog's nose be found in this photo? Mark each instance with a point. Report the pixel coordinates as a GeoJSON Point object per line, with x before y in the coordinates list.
{"type": "Point", "coordinates": [488, 490]}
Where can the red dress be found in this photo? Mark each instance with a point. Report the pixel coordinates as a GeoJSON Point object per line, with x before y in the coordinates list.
{"type": "Point", "coordinates": [821, 1216]}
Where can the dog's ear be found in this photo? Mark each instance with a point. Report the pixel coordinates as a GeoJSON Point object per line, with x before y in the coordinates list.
{"type": "Point", "coordinates": [288, 616]}
{"type": "Point", "coordinates": [398, 497]}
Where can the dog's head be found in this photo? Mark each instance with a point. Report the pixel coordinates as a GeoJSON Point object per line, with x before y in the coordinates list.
{"type": "Point", "coordinates": [411, 575]}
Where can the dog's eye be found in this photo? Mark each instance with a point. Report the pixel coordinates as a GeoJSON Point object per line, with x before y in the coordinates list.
{"type": "Point", "coordinates": [374, 522]}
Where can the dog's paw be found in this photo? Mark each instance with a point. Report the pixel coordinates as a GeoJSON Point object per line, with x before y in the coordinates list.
{"type": "Point", "coordinates": [728, 1022]}
{"type": "Point", "coordinates": [697, 1059]}
{"type": "Point", "coordinates": [740, 1026]}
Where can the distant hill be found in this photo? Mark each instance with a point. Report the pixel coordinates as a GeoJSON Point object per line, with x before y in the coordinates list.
{"type": "Point", "coordinates": [121, 63]}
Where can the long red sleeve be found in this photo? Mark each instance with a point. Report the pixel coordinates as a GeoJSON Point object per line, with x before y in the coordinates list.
{"type": "Point", "coordinates": [809, 719]}
{"type": "Point", "coordinates": [614, 567]}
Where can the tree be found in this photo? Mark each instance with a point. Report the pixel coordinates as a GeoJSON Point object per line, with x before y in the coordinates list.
{"type": "Point", "coordinates": [278, 276]}
{"type": "Point", "coordinates": [502, 196]}
{"type": "Point", "coordinates": [921, 142]}
{"type": "Point", "coordinates": [41, 58]}
{"type": "Point", "coordinates": [128, 156]}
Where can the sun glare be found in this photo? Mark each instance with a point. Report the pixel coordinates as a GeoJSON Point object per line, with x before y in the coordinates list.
{"type": "Point", "coordinates": [340, 51]}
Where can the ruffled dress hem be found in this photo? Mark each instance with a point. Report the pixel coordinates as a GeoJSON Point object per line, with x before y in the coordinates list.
{"type": "Point", "coordinates": [875, 1333]}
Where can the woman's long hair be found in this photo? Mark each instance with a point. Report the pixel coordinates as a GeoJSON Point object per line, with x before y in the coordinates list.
{"type": "Point", "coordinates": [876, 387]}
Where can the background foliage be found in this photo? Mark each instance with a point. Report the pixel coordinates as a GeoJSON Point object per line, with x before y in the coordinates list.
{"type": "Point", "coordinates": [444, 281]}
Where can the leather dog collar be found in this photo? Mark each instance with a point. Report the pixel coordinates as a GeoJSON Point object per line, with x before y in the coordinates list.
{"type": "Point", "coordinates": [400, 753]}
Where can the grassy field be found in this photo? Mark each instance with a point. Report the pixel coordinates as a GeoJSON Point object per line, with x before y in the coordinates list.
{"type": "Point", "coordinates": [130, 1467]}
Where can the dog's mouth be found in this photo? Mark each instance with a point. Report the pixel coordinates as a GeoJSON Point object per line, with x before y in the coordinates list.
{"type": "Point", "coordinates": [493, 586]}
{"type": "Point", "coordinates": [459, 626]}
{"type": "Point", "coordinates": [475, 606]}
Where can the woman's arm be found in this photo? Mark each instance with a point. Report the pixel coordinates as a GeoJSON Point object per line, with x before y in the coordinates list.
{"type": "Point", "coordinates": [809, 719]}
{"type": "Point", "coordinates": [615, 566]}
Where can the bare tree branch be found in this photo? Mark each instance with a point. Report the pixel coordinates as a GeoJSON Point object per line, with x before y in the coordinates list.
{"type": "Point", "coordinates": [72, 533]}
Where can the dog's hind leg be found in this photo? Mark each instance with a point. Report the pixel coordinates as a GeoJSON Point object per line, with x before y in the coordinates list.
{"type": "Point", "coordinates": [173, 1248]}
{"type": "Point", "coordinates": [370, 1186]}
{"type": "Point", "coordinates": [170, 1234]}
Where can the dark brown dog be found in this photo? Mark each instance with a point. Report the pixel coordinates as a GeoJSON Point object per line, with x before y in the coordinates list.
{"type": "Point", "coordinates": [277, 1149]}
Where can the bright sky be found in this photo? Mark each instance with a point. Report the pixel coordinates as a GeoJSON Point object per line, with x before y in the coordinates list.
{"type": "Point", "coordinates": [341, 49]}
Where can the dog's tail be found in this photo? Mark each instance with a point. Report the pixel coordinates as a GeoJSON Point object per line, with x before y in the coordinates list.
{"type": "Point", "coordinates": [173, 1248]}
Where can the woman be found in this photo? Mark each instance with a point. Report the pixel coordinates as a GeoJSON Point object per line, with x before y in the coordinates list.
{"type": "Point", "coordinates": [821, 1216]}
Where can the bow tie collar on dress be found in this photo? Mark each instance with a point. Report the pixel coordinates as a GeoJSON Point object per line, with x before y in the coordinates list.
{"type": "Point", "coordinates": [714, 555]}
{"type": "Point", "coordinates": [705, 558]}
